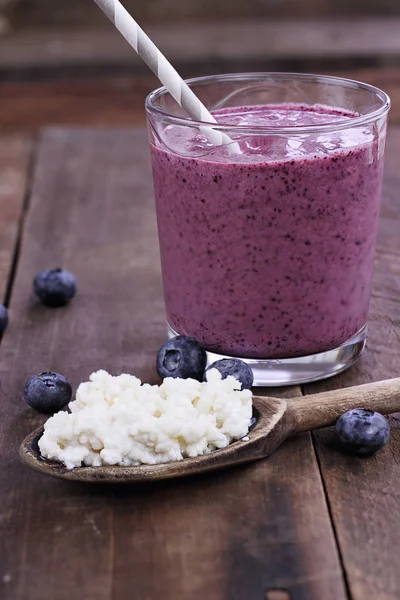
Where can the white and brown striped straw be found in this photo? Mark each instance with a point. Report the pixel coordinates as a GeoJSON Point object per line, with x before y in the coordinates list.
{"type": "Point", "coordinates": [165, 72]}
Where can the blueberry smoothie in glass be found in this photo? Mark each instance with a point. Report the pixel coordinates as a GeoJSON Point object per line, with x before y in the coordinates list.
{"type": "Point", "coordinates": [267, 252]}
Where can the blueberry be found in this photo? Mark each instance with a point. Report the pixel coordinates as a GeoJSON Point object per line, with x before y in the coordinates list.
{"type": "Point", "coordinates": [233, 366]}
{"type": "Point", "coordinates": [3, 319]}
{"type": "Point", "coordinates": [47, 392]}
{"type": "Point", "coordinates": [362, 431]}
{"type": "Point", "coordinates": [181, 356]}
{"type": "Point", "coordinates": [54, 287]}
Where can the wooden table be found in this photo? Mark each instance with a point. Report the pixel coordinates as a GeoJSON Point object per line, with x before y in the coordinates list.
{"type": "Point", "coordinates": [308, 523]}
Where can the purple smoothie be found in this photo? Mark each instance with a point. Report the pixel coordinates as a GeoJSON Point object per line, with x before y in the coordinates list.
{"type": "Point", "coordinates": [269, 253]}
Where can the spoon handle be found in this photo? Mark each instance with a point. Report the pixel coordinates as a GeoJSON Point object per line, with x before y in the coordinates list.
{"type": "Point", "coordinates": [320, 410]}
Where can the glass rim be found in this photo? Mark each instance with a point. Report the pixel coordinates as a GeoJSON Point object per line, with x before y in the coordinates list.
{"type": "Point", "coordinates": [336, 125]}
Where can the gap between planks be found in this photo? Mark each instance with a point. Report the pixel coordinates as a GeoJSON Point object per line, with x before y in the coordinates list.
{"type": "Point", "coordinates": [362, 494]}
{"type": "Point", "coordinates": [17, 163]}
{"type": "Point", "coordinates": [78, 172]}
{"type": "Point", "coordinates": [392, 149]}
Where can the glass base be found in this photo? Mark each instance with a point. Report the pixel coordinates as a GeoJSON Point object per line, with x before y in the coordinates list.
{"type": "Point", "coordinates": [302, 369]}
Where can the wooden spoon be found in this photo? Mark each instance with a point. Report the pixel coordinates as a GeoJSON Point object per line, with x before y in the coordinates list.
{"type": "Point", "coordinates": [276, 419]}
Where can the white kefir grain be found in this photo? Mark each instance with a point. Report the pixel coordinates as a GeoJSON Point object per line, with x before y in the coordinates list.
{"type": "Point", "coordinates": [120, 421]}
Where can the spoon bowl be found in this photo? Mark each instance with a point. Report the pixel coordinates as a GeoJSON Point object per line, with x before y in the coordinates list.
{"type": "Point", "coordinates": [275, 420]}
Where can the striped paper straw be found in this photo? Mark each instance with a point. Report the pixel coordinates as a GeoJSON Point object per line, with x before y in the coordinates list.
{"type": "Point", "coordinates": [165, 72]}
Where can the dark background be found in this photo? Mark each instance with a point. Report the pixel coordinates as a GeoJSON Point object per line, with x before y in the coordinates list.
{"type": "Point", "coordinates": [62, 62]}
{"type": "Point", "coordinates": [64, 13]}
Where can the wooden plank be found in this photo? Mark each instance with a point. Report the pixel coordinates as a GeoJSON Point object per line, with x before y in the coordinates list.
{"type": "Point", "coordinates": [119, 101]}
{"type": "Point", "coordinates": [75, 13]}
{"type": "Point", "coordinates": [254, 533]}
{"type": "Point", "coordinates": [238, 535]}
{"type": "Point", "coordinates": [363, 494]}
{"type": "Point", "coordinates": [43, 528]}
{"type": "Point", "coordinates": [102, 101]}
{"type": "Point", "coordinates": [264, 42]}
{"type": "Point", "coordinates": [234, 535]}
{"type": "Point", "coordinates": [15, 153]}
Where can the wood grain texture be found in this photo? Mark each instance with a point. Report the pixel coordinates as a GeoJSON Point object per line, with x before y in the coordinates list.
{"type": "Point", "coordinates": [314, 411]}
{"type": "Point", "coordinates": [364, 494]}
{"type": "Point", "coordinates": [235, 535]}
{"type": "Point", "coordinates": [101, 101]}
{"type": "Point", "coordinates": [267, 44]}
{"type": "Point", "coordinates": [227, 536]}
{"type": "Point", "coordinates": [15, 154]}
{"type": "Point", "coordinates": [119, 101]}
{"type": "Point", "coordinates": [82, 13]}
